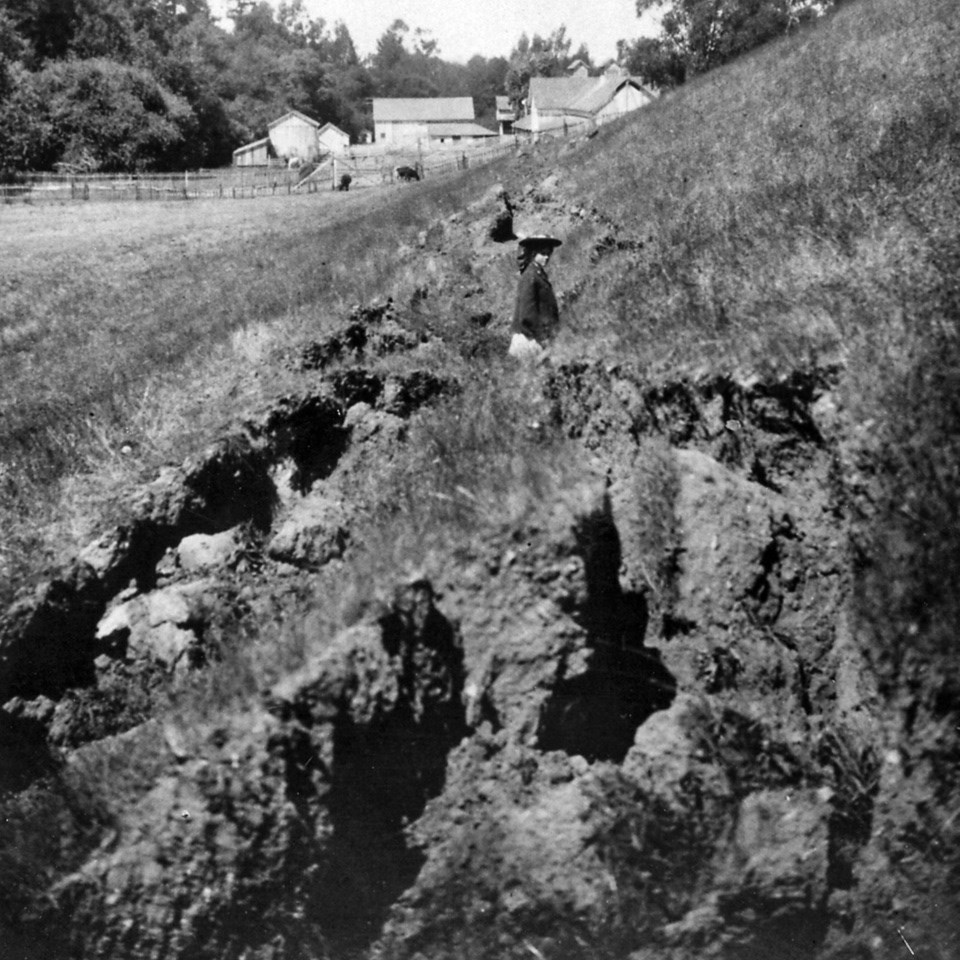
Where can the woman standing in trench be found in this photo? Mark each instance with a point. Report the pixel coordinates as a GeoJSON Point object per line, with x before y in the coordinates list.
{"type": "Point", "coordinates": [535, 316]}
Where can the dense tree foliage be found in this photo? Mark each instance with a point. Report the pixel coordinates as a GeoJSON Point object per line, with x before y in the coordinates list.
{"type": "Point", "coordinates": [697, 35]}
{"type": "Point", "coordinates": [155, 84]}
{"type": "Point", "coordinates": [159, 84]}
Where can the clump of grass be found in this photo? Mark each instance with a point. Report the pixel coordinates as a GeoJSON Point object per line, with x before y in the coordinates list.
{"type": "Point", "coordinates": [488, 457]}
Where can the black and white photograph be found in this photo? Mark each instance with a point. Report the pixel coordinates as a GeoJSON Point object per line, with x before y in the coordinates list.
{"type": "Point", "coordinates": [479, 482]}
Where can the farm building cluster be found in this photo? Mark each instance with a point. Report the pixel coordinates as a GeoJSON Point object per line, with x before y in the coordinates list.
{"type": "Point", "coordinates": [554, 106]}
{"type": "Point", "coordinates": [294, 136]}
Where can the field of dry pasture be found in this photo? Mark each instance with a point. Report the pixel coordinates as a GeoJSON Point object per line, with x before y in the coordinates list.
{"type": "Point", "coordinates": [102, 304]}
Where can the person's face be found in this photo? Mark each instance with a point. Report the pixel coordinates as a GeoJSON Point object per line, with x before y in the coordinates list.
{"type": "Point", "coordinates": [542, 256]}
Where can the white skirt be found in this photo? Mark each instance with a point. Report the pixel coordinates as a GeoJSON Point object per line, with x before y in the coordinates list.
{"type": "Point", "coordinates": [523, 348]}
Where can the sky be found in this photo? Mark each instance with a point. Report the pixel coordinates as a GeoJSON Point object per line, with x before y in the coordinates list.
{"type": "Point", "coordinates": [488, 27]}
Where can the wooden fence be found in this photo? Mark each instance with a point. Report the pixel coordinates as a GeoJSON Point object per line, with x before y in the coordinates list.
{"type": "Point", "coordinates": [229, 183]}
{"type": "Point", "coordinates": [237, 183]}
{"type": "Point", "coordinates": [374, 171]}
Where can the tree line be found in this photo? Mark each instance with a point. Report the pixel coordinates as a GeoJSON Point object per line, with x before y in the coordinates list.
{"type": "Point", "coordinates": [126, 85]}
{"type": "Point", "coordinates": [698, 35]}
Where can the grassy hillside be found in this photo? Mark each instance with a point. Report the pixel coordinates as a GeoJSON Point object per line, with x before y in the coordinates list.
{"type": "Point", "coordinates": [798, 206]}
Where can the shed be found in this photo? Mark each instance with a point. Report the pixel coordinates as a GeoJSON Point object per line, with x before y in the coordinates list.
{"type": "Point", "coordinates": [506, 115]}
{"type": "Point", "coordinates": [295, 135]}
{"type": "Point", "coordinates": [254, 154]}
{"type": "Point", "coordinates": [407, 120]}
{"type": "Point", "coordinates": [332, 139]}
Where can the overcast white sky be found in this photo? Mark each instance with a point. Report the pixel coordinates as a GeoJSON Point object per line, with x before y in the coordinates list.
{"type": "Point", "coordinates": [488, 27]}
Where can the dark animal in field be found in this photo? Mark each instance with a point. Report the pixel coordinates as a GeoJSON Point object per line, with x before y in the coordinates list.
{"type": "Point", "coordinates": [407, 173]}
{"type": "Point", "coordinates": [345, 182]}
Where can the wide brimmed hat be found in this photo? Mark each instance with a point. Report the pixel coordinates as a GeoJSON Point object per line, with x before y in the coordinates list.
{"type": "Point", "coordinates": [539, 240]}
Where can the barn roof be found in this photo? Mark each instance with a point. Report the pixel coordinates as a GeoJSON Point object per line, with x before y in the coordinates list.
{"type": "Point", "coordinates": [594, 100]}
{"type": "Point", "coordinates": [252, 146]}
{"type": "Point", "coordinates": [503, 103]}
{"type": "Point", "coordinates": [422, 109]}
{"type": "Point", "coordinates": [580, 95]}
{"type": "Point", "coordinates": [557, 93]}
{"type": "Point", "coordinates": [460, 130]}
{"type": "Point", "coordinates": [331, 126]}
{"type": "Point", "coordinates": [293, 113]}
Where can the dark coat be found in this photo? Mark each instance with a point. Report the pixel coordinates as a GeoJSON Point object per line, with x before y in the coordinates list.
{"type": "Point", "coordinates": [535, 315]}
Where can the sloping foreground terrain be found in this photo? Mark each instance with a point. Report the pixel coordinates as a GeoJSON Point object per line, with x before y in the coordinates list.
{"type": "Point", "coordinates": [644, 652]}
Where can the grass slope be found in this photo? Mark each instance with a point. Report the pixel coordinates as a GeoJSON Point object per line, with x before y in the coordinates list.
{"type": "Point", "coordinates": [799, 204]}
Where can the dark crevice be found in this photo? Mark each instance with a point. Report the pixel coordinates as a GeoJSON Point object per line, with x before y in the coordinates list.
{"type": "Point", "coordinates": [48, 639]}
{"type": "Point", "coordinates": [596, 714]}
{"type": "Point", "coordinates": [383, 772]}
{"type": "Point", "coordinates": [772, 931]}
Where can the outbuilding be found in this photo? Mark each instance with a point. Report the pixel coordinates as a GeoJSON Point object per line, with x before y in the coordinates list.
{"type": "Point", "coordinates": [556, 104]}
{"type": "Point", "coordinates": [254, 154]}
{"type": "Point", "coordinates": [331, 139]}
{"type": "Point", "coordinates": [295, 135]}
{"type": "Point", "coordinates": [412, 120]}
{"type": "Point", "coordinates": [506, 115]}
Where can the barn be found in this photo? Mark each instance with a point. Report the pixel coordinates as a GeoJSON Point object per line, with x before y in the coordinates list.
{"type": "Point", "coordinates": [332, 139]}
{"type": "Point", "coordinates": [413, 120]}
{"type": "Point", "coordinates": [556, 104]}
{"type": "Point", "coordinates": [295, 135]}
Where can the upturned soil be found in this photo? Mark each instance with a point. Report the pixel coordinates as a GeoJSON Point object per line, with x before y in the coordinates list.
{"type": "Point", "coordinates": [539, 746]}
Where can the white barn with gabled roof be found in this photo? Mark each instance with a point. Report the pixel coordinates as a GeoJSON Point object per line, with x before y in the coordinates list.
{"type": "Point", "coordinates": [411, 120]}
{"type": "Point", "coordinates": [295, 135]}
{"type": "Point", "coordinates": [556, 104]}
{"type": "Point", "coordinates": [332, 139]}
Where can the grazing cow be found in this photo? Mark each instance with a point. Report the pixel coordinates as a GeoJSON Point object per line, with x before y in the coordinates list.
{"type": "Point", "coordinates": [407, 173]}
{"type": "Point", "coordinates": [345, 182]}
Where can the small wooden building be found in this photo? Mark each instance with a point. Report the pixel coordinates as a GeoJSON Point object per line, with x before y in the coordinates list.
{"type": "Point", "coordinates": [295, 135]}
{"type": "Point", "coordinates": [332, 139]}
{"type": "Point", "coordinates": [254, 154]}
{"type": "Point", "coordinates": [506, 115]}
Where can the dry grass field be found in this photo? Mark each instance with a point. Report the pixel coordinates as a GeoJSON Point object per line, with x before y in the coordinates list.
{"type": "Point", "coordinates": [103, 304]}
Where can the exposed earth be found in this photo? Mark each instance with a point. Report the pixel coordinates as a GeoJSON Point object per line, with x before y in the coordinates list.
{"type": "Point", "coordinates": [535, 745]}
